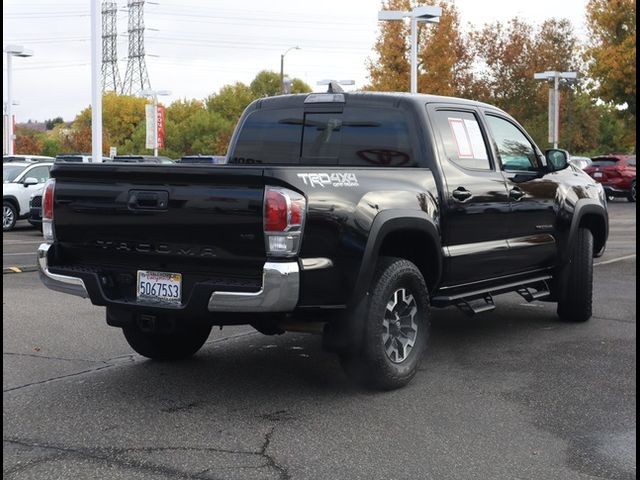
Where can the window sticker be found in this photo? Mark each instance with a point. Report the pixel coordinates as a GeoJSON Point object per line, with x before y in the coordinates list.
{"type": "Point", "coordinates": [475, 137]}
{"type": "Point", "coordinates": [462, 139]}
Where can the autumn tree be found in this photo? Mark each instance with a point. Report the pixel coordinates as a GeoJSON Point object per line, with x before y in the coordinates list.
{"type": "Point", "coordinates": [28, 141]}
{"type": "Point", "coordinates": [444, 59]}
{"type": "Point", "coordinates": [611, 52]}
{"type": "Point", "coordinates": [389, 70]}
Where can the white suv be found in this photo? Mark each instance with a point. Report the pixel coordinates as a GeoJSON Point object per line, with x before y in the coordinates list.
{"type": "Point", "coordinates": [19, 181]}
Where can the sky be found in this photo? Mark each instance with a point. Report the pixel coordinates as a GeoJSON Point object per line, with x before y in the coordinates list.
{"type": "Point", "coordinates": [194, 47]}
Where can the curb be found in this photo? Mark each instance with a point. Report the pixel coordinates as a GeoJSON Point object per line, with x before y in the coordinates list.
{"type": "Point", "coordinates": [28, 268]}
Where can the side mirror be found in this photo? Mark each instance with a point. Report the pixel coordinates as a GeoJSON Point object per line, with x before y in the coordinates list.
{"type": "Point", "coordinates": [557, 159]}
{"type": "Point", "coordinates": [30, 181]}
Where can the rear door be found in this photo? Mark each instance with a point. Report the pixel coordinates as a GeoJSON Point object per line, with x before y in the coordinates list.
{"type": "Point", "coordinates": [475, 203]}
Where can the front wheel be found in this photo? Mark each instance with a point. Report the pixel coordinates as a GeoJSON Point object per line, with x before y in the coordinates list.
{"type": "Point", "coordinates": [396, 328]}
{"type": "Point", "coordinates": [631, 196]}
{"type": "Point", "coordinates": [575, 304]}
{"type": "Point", "coordinates": [9, 216]}
{"type": "Point", "coordinates": [167, 346]}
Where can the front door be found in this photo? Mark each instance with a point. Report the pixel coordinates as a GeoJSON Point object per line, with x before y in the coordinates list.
{"type": "Point", "coordinates": [475, 202]}
{"type": "Point", "coordinates": [532, 192]}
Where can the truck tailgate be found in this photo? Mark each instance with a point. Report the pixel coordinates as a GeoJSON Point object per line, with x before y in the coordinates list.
{"type": "Point", "coordinates": [176, 218]}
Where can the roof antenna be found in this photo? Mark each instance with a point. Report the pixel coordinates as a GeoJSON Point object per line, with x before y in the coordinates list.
{"type": "Point", "coordinates": [334, 85]}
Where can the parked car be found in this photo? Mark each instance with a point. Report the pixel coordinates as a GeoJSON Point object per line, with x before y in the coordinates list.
{"type": "Point", "coordinates": [77, 158]}
{"type": "Point", "coordinates": [20, 181]}
{"type": "Point", "coordinates": [203, 159]}
{"type": "Point", "coordinates": [35, 209]}
{"type": "Point", "coordinates": [616, 173]}
{"type": "Point", "coordinates": [580, 162]}
{"type": "Point", "coordinates": [26, 158]}
{"type": "Point", "coordinates": [141, 159]}
{"type": "Point", "coordinates": [347, 214]}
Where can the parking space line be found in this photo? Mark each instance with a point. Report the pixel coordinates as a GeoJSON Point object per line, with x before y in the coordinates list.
{"type": "Point", "coordinates": [13, 254]}
{"type": "Point", "coordinates": [614, 260]}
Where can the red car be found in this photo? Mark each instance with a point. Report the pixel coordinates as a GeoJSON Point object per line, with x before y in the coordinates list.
{"type": "Point", "coordinates": [616, 173]}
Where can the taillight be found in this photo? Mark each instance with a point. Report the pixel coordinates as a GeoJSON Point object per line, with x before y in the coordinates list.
{"type": "Point", "coordinates": [284, 213]}
{"type": "Point", "coordinates": [47, 210]}
{"type": "Point", "coordinates": [47, 199]}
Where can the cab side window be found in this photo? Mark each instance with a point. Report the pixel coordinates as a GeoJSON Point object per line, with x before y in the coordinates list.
{"type": "Point", "coordinates": [515, 150]}
{"type": "Point", "coordinates": [462, 139]}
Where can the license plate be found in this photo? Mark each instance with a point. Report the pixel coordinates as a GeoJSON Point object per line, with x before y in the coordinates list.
{"type": "Point", "coordinates": [598, 175]}
{"type": "Point", "coordinates": [163, 287]}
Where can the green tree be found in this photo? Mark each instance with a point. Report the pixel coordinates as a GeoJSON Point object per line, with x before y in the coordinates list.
{"type": "Point", "coordinates": [51, 146]}
{"type": "Point", "coordinates": [28, 141]}
{"type": "Point", "coordinates": [52, 122]}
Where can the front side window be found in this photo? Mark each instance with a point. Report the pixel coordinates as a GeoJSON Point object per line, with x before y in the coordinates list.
{"type": "Point", "coordinates": [462, 139]}
{"type": "Point", "coordinates": [515, 150]}
{"type": "Point", "coordinates": [39, 173]}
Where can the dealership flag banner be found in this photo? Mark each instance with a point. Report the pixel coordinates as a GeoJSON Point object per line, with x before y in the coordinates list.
{"type": "Point", "coordinates": [160, 120]}
{"type": "Point", "coordinates": [151, 126]}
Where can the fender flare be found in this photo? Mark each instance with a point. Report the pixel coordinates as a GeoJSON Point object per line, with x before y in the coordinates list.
{"type": "Point", "coordinates": [584, 206]}
{"type": "Point", "coordinates": [387, 222]}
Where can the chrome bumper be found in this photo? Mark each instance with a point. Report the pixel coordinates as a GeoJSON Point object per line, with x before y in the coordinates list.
{"type": "Point", "coordinates": [59, 283]}
{"type": "Point", "coordinates": [279, 292]}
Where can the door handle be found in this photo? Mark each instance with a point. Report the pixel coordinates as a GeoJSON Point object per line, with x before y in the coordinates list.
{"type": "Point", "coordinates": [516, 194]}
{"type": "Point", "coordinates": [461, 194]}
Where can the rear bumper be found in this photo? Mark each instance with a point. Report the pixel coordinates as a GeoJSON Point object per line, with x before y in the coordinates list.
{"type": "Point", "coordinates": [613, 191]}
{"type": "Point", "coordinates": [280, 290]}
{"type": "Point", "coordinates": [57, 282]}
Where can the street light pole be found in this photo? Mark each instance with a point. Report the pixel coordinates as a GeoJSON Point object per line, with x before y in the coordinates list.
{"type": "Point", "coordinates": [554, 100]}
{"type": "Point", "coordinates": [96, 76]}
{"type": "Point", "coordinates": [426, 14]}
{"type": "Point", "coordinates": [12, 51]}
{"type": "Point", "coordinates": [282, 89]}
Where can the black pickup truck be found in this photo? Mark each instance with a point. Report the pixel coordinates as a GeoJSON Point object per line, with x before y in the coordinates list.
{"type": "Point", "coordinates": [347, 214]}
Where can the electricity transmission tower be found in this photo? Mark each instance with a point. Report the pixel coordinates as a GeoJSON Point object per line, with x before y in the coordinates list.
{"type": "Point", "coordinates": [110, 72]}
{"type": "Point", "coordinates": [136, 77]}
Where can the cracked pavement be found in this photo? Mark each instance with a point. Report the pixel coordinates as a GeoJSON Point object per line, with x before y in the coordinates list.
{"type": "Point", "coordinates": [510, 394]}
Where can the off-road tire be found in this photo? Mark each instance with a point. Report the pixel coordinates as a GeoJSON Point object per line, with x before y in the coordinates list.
{"type": "Point", "coordinates": [575, 303]}
{"type": "Point", "coordinates": [370, 365]}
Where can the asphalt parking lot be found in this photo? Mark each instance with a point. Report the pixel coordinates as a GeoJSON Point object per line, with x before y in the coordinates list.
{"type": "Point", "coordinates": [510, 394]}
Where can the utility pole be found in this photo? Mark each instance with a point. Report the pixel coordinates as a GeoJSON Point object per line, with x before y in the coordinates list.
{"type": "Point", "coordinates": [426, 14]}
{"type": "Point", "coordinates": [554, 100]}
{"type": "Point", "coordinates": [136, 78]}
{"type": "Point", "coordinates": [110, 72]}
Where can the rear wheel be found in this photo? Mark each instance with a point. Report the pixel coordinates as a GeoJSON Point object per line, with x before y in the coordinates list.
{"type": "Point", "coordinates": [9, 216]}
{"type": "Point", "coordinates": [575, 304]}
{"type": "Point", "coordinates": [631, 196]}
{"type": "Point", "coordinates": [396, 328]}
{"type": "Point", "coordinates": [167, 346]}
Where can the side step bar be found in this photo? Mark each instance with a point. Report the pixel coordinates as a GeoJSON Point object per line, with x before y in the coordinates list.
{"type": "Point", "coordinates": [481, 300]}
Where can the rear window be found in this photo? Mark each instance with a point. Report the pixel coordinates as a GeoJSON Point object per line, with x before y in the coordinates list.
{"type": "Point", "coordinates": [604, 162]}
{"type": "Point", "coordinates": [358, 136]}
{"type": "Point", "coordinates": [631, 161]}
